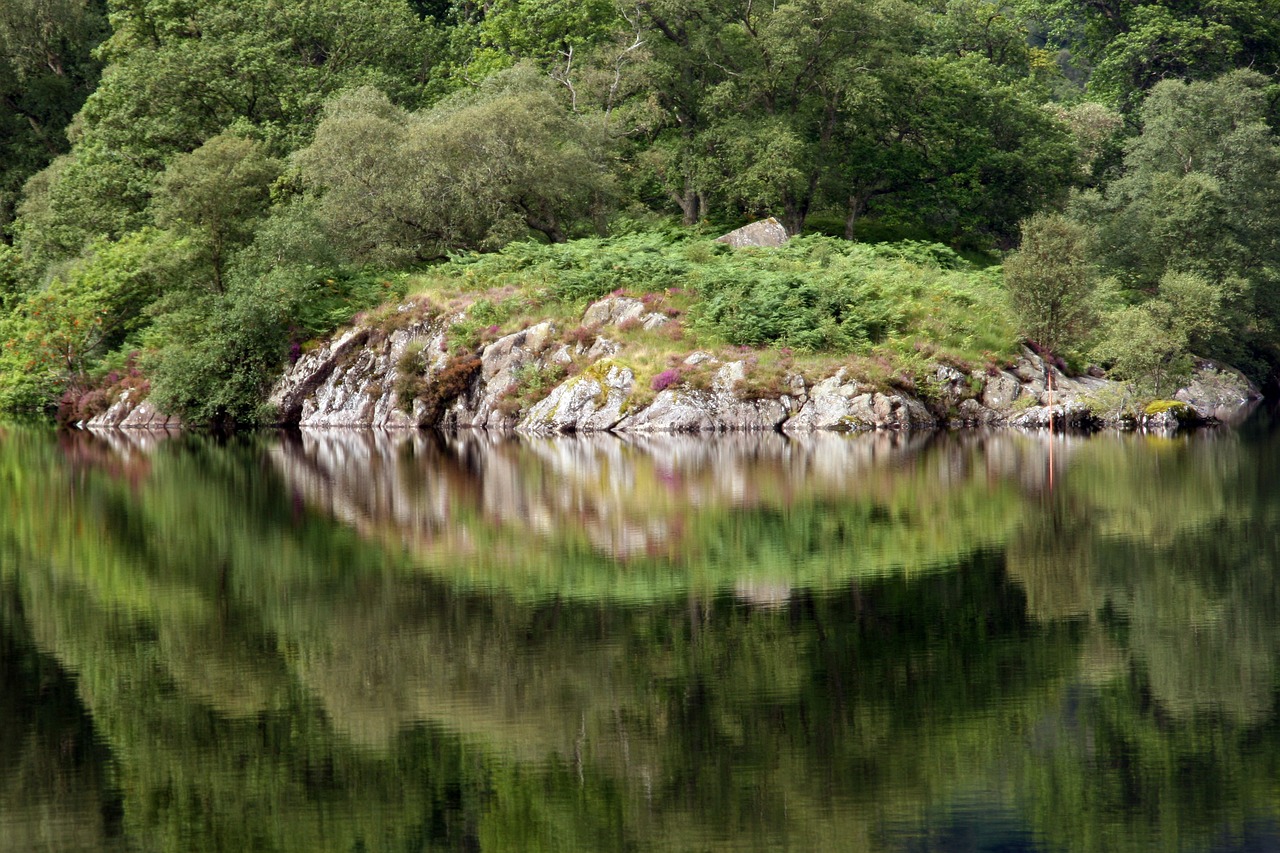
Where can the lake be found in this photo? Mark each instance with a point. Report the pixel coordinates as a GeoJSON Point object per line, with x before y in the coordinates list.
{"type": "Point", "coordinates": [365, 641]}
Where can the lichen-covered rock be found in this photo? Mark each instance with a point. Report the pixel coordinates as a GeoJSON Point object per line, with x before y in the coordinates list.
{"type": "Point", "coordinates": [1001, 390]}
{"type": "Point", "coordinates": [765, 233]}
{"type": "Point", "coordinates": [1219, 392]}
{"type": "Point", "coordinates": [971, 413]}
{"type": "Point", "coordinates": [602, 348]}
{"type": "Point", "coordinates": [1168, 416]}
{"type": "Point", "coordinates": [613, 310]}
{"type": "Point", "coordinates": [687, 410]}
{"type": "Point", "coordinates": [116, 412]}
{"type": "Point", "coordinates": [304, 376]}
{"type": "Point", "coordinates": [891, 411]}
{"type": "Point", "coordinates": [355, 380]}
{"type": "Point", "coordinates": [590, 402]}
{"type": "Point", "coordinates": [1029, 367]}
{"type": "Point", "coordinates": [131, 411]}
{"type": "Point", "coordinates": [500, 363]}
{"type": "Point", "coordinates": [700, 357]}
{"type": "Point", "coordinates": [147, 416]}
{"type": "Point", "coordinates": [950, 386]}
{"type": "Point", "coordinates": [352, 380]}
{"type": "Point", "coordinates": [827, 405]}
{"type": "Point", "coordinates": [360, 388]}
{"type": "Point", "coordinates": [839, 404]}
{"type": "Point", "coordinates": [1073, 415]}
{"type": "Point", "coordinates": [717, 410]}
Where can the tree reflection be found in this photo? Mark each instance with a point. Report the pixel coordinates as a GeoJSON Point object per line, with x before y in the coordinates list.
{"type": "Point", "coordinates": [440, 644]}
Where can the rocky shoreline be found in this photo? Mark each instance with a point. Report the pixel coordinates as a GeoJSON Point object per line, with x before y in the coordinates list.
{"type": "Point", "coordinates": [361, 378]}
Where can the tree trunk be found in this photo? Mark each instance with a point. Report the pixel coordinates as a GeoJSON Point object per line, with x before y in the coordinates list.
{"type": "Point", "coordinates": [795, 211]}
{"type": "Point", "coordinates": [548, 227]}
{"type": "Point", "coordinates": [690, 203]}
{"type": "Point", "coordinates": [857, 205]}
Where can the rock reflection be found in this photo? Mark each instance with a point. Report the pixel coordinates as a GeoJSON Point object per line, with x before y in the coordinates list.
{"type": "Point", "coordinates": [655, 498]}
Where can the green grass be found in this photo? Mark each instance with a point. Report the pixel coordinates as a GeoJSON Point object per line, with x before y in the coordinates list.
{"type": "Point", "coordinates": [888, 310]}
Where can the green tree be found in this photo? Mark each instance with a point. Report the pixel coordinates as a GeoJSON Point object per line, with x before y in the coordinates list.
{"type": "Point", "coordinates": [472, 173]}
{"type": "Point", "coordinates": [216, 195]}
{"type": "Point", "coordinates": [56, 335]}
{"type": "Point", "coordinates": [180, 73]}
{"type": "Point", "coordinates": [751, 96]}
{"type": "Point", "coordinates": [46, 71]}
{"type": "Point", "coordinates": [946, 146]}
{"type": "Point", "coordinates": [1051, 282]}
{"type": "Point", "coordinates": [1151, 344]}
{"type": "Point", "coordinates": [1133, 46]}
{"type": "Point", "coordinates": [1201, 194]}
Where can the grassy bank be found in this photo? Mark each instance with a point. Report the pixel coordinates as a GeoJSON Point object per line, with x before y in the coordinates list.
{"type": "Point", "coordinates": [886, 312]}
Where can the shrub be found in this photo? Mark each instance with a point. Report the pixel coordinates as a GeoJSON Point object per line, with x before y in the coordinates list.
{"type": "Point", "coordinates": [665, 379]}
{"type": "Point", "coordinates": [436, 390]}
{"type": "Point", "coordinates": [532, 383]}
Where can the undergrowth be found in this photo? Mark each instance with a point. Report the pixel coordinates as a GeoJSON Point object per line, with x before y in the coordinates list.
{"type": "Point", "coordinates": [814, 295]}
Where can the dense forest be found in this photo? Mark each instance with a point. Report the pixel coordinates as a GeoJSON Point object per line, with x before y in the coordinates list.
{"type": "Point", "coordinates": [190, 191]}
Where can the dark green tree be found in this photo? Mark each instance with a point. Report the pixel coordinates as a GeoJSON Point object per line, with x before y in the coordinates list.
{"type": "Point", "coordinates": [216, 195]}
{"type": "Point", "coordinates": [1132, 46]}
{"type": "Point", "coordinates": [1201, 194]}
{"type": "Point", "coordinates": [472, 173]}
{"type": "Point", "coordinates": [47, 69]}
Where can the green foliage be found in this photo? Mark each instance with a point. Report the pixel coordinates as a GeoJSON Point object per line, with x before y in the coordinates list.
{"type": "Point", "coordinates": [1150, 344]}
{"type": "Point", "coordinates": [584, 270]}
{"type": "Point", "coordinates": [13, 277]}
{"type": "Point", "coordinates": [473, 173]}
{"type": "Point", "coordinates": [1132, 47]}
{"type": "Point", "coordinates": [181, 73]}
{"type": "Point", "coordinates": [1050, 280]}
{"type": "Point", "coordinates": [756, 307]}
{"type": "Point", "coordinates": [57, 333]}
{"type": "Point", "coordinates": [950, 147]}
{"type": "Point", "coordinates": [1193, 219]}
{"type": "Point", "coordinates": [555, 34]}
{"type": "Point", "coordinates": [1141, 347]}
{"type": "Point", "coordinates": [47, 69]}
{"type": "Point", "coordinates": [214, 356]}
{"type": "Point", "coordinates": [216, 195]}
{"type": "Point", "coordinates": [217, 355]}
{"type": "Point", "coordinates": [813, 294]}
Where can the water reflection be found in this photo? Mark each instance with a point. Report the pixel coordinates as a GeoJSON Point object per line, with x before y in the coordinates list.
{"type": "Point", "coordinates": [890, 642]}
{"type": "Point", "coordinates": [642, 517]}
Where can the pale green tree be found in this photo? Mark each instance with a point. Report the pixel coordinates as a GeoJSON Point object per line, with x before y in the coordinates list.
{"type": "Point", "coordinates": [1051, 282]}
{"type": "Point", "coordinates": [473, 173]}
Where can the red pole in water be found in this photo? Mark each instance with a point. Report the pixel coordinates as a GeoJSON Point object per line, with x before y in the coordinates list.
{"type": "Point", "coordinates": [1048, 370]}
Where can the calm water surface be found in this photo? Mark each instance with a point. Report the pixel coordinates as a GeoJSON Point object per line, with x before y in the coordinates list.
{"type": "Point", "coordinates": [367, 642]}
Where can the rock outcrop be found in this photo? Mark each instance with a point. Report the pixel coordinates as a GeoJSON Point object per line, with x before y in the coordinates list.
{"type": "Point", "coordinates": [764, 233]}
{"type": "Point", "coordinates": [540, 381]}
{"type": "Point", "coordinates": [131, 411]}
{"type": "Point", "coordinates": [592, 402]}
{"type": "Point", "coordinates": [1219, 392]}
